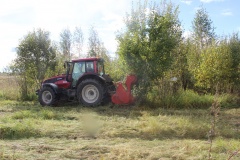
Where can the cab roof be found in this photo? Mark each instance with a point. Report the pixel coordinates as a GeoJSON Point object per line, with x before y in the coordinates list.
{"type": "Point", "coordinates": [87, 59]}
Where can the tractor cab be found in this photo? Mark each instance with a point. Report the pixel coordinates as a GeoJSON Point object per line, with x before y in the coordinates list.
{"type": "Point", "coordinates": [78, 69]}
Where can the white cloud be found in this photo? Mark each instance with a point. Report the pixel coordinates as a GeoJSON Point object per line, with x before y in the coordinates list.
{"type": "Point", "coordinates": [227, 12]}
{"type": "Point", "coordinates": [17, 18]}
{"type": "Point", "coordinates": [209, 1]}
{"type": "Point", "coordinates": [196, 8]}
{"type": "Point", "coordinates": [187, 34]}
{"type": "Point", "coordinates": [188, 2]}
{"type": "Point", "coordinates": [12, 6]}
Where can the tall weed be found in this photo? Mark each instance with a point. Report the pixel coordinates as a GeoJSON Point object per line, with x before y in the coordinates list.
{"type": "Point", "coordinates": [189, 99]}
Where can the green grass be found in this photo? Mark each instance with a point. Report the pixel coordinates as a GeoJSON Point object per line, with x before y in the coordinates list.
{"type": "Point", "coordinates": [29, 131]}
{"type": "Point", "coordinates": [189, 99]}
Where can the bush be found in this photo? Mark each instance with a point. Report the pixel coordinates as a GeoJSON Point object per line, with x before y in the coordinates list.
{"type": "Point", "coordinates": [190, 99]}
{"type": "Point", "coordinates": [186, 99]}
{"type": "Point", "coordinates": [228, 100]}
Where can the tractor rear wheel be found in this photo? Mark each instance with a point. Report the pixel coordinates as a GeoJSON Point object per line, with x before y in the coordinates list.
{"type": "Point", "coordinates": [90, 92]}
{"type": "Point", "coordinates": [47, 97]}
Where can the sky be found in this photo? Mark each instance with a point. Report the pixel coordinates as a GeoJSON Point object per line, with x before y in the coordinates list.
{"type": "Point", "coordinates": [18, 17]}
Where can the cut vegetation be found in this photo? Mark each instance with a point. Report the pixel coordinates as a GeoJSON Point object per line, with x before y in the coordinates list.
{"type": "Point", "coordinates": [29, 131]}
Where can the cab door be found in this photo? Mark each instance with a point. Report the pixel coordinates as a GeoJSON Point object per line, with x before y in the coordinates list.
{"type": "Point", "coordinates": [79, 69]}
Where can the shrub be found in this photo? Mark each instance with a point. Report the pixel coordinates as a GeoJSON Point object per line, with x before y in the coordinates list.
{"type": "Point", "coordinates": [190, 99]}
{"type": "Point", "coordinates": [186, 99]}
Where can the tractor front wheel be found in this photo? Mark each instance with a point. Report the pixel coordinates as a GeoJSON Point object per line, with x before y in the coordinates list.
{"type": "Point", "coordinates": [90, 92]}
{"type": "Point", "coordinates": [47, 97]}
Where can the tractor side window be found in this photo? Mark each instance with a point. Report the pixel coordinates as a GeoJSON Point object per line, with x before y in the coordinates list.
{"type": "Point", "coordinates": [90, 67]}
{"type": "Point", "coordinates": [78, 70]}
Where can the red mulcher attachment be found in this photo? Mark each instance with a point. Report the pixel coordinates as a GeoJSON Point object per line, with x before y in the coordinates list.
{"type": "Point", "coordinates": [122, 95]}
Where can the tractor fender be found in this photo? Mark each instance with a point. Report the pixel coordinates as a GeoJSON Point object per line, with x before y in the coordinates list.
{"type": "Point", "coordinates": [54, 87]}
{"type": "Point", "coordinates": [92, 76]}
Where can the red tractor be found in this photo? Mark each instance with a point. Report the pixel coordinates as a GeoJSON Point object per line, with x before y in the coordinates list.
{"type": "Point", "coordinates": [85, 81]}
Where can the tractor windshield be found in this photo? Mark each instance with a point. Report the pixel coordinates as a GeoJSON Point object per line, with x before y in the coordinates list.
{"type": "Point", "coordinates": [78, 70]}
{"type": "Point", "coordinates": [101, 67]}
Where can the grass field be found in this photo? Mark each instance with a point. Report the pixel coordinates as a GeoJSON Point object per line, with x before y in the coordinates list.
{"type": "Point", "coordinates": [9, 88]}
{"type": "Point", "coordinates": [29, 131]}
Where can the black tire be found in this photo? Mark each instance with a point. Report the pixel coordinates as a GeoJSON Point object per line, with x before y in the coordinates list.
{"type": "Point", "coordinates": [90, 92]}
{"type": "Point", "coordinates": [109, 89]}
{"type": "Point", "coordinates": [106, 99]}
{"type": "Point", "coordinates": [47, 97]}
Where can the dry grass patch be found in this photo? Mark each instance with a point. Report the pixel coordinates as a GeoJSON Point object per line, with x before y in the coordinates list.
{"type": "Point", "coordinates": [9, 87]}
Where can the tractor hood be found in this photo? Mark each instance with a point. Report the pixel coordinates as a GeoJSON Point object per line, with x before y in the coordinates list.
{"type": "Point", "coordinates": [59, 80]}
{"type": "Point", "coordinates": [54, 79]}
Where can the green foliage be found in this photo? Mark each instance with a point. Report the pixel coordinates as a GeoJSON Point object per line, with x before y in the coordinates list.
{"type": "Point", "coordinates": [217, 63]}
{"type": "Point", "coordinates": [215, 67]}
{"type": "Point", "coordinates": [186, 99]}
{"type": "Point", "coordinates": [71, 43]}
{"type": "Point", "coordinates": [65, 43]}
{"type": "Point", "coordinates": [228, 100]}
{"type": "Point", "coordinates": [190, 99]}
{"type": "Point", "coordinates": [148, 41]}
{"type": "Point", "coordinates": [35, 56]}
{"type": "Point", "coordinates": [203, 30]}
{"type": "Point", "coordinates": [234, 45]}
{"type": "Point", "coordinates": [180, 67]}
{"type": "Point", "coordinates": [202, 37]}
{"type": "Point", "coordinates": [96, 46]}
{"type": "Point", "coordinates": [78, 39]}
{"type": "Point", "coordinates": [116, 68]}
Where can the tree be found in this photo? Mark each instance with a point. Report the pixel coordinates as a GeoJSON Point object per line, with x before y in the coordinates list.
{"type": "Point", "coordinates": [151, 35]}
{"type": "Point", "coordinates": [35, 57]}
{"type": "Point", "coordinates": [96, 46]}
{"type": "Point", "coordinates": [215, 67]}
{"type": "Point", "coordinates": [203, 31]}
{"type": "Point", "coordinates": [78, 40]}
{"type": "Point", "coordinates": [233, 43]}
{"type": "Point", "coordinates": [203, 36]}
{"type": "Point", "coordinates": [94, 43]}
{"type": "Point", "coordinates": [66, 43]}
{"type": "Point", "coordinates": [180, 66]}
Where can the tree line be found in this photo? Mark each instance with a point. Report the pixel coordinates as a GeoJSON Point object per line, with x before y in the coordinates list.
{"type": "Point", "coordinates": [152, 46]}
